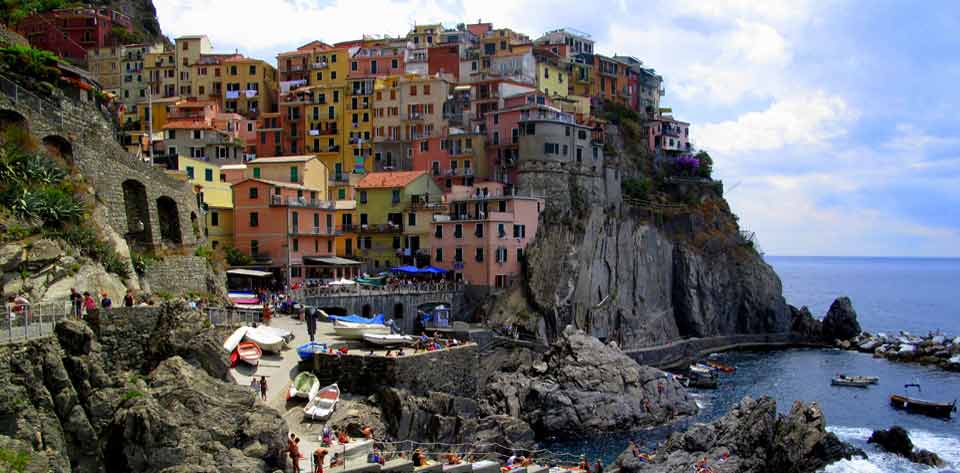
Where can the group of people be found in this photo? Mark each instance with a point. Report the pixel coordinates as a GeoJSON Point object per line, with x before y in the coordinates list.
{"type": "Point", "coordinates": [584, 465]}
{"type": "Point", "coordinates": [433, 343]}
{"type": "Point", "coordinates": [85, 304]}
{"type": "Point", "coordinates": [259, 387]}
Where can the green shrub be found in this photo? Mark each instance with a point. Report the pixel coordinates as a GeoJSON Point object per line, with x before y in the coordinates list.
{"type": "Point", "coordinates": [142, 262]}
{"type": "Point", "coordinates": [706, 164]}
{"type": "Point", "coordinates": [16, 461]}
{"type": "Point", "coordinates": [636, 187]}
{"type": "Point", "coordinates": [235, 257]}
{"type": "Point", "coordinates": [132, 394]}
{"type": "Point", "coordinates": [38, 64]}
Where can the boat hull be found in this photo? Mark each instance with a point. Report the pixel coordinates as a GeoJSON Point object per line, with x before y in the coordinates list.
{"type": "Point", "coordinates": [267, 341]}
{"type": "Point", "coordinates": [234, 339]}
{"type": "Point", "coordinates": [927, 408]}
{"type": "Point", "coordinates": [322, 405]}
{"type": "Point", "coordinates": [305, 385]}
{"type": "Point", "coordinates": [354, 331]}
{"type": "Point", "coordinates": [848, 383]}
{"type": "Point", "coordinates": [249, 353]}
{"type": "Point", "coordinates": [387, 340]}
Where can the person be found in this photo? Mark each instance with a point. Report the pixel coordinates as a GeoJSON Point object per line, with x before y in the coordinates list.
{"type": "Point", "coordinates": [310, 314]}
{"type": "Point", "coordinates": [128, 298]}
{"type": "Point", "coordinates": [342, 437]}
{"type": "Point", "coordinates": [419, 459]}
{"type": "Point", "coordinates": [318, 456]}
{"type": "Point", "coordinates": [76, 300]}
{"type": "Point", "coordinates": [389, 353]}
{"type": "Point", "coordinates": [105, 301]}
{"type": "Point", "coordinates": [400, 352]}
{"type": "Point", "coordinates": [295, 455]}
{"type": "Point", "coordinates": [89, 305]}
{"type": "Point", "coordinates": [584, 464]}
{"type": "Point", "coordinates": [267, 314]}
{"type": "Point", "coordinates": [632, 446]}
{"type": "Point", "coordinates": [255, 385]}
{"type": "Point", "coordinates": [263, 388]}
{"type": "Point", "coordinates": [511, 460]}
{"type": "Point", "coordinates": [367, 432]}
{"type": "Point", "coordinates": [375, 457]}
{"type": "Point", "coordinates": [453, 459]}
{"type": "Point", "coordinates": [526, 461]}
{"type": "Point", "coordinates": [598, 466]}
{"type": "Point", "coordinates": [327, 438]}
{"type": "Point", "coordinates": [337, 460]}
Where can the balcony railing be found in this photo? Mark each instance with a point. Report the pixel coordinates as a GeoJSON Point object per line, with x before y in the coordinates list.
{"type": "Point", "coordinates": [339, 179]}
{"type": "Point", "coordinates": [348, 228]}
{"type": "Point", "coordinates": [415, 116]}
{"type": "Point", "coordinates": [280, 201]}
{"type": "Point", "coordinates": [318, 65]}
{"type": "Point", "coordinates": [382, 228]}
{"type": "Point", "coordinates": [316, 231]}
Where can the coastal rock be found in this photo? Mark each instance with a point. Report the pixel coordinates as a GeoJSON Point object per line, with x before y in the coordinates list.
{"type": "Point", "coordinates": [751, 438]}
{"type": "Point", "coordinates": [802, 322]}
{"type": "Point", "coordinates": [841, 321]}
{"type": "Point", "coordinates": [587, 387]}
{"type": "Point", "coordinates": [896, 440]}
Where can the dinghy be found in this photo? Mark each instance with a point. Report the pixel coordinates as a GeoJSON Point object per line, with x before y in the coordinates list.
{"type": "Point", "coordinates": [266, 340]}
{"type": "Point", "coordinates": [322, 405]}
{"type": "Point", "coordinates": [284, 334]}
{"type": "Point", "coordinates": [355, 331]}
{"type": "Point", "coordinates": [849, 382]}
{"type": "Point", "coordinates": [387, 340]}
{"type": "Point", "coordinates": [249, 352]}
{"type": "Point", "coordinates": [305, 385]}
{"type": "Point", "coordinates": [920, 406]}
{"type": "Point", "coordinates": [309, 349]}
{"type": "Point", "coordinates": [701, 368]}
{"type": "Point", "coordinates": [234, 339]}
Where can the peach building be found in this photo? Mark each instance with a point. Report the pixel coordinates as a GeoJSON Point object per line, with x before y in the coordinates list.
{"type": "Point", "coordinates": [483, 237]}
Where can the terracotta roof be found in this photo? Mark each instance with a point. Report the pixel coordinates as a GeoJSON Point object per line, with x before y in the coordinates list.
{"type": "Point", "coordinates": [282, 159]}
{"type": "Point", "coordinates": [187, 124]}
{"type": "Point", "coordinates": [376, 180]}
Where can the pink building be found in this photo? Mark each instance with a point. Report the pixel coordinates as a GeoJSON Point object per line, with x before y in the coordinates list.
{"type": "Point", "coordinates": [483, 238]}
{"type": "Point", "coordinates": [669, 136]}
{"type": "Point", "coordinates": [503, 131]}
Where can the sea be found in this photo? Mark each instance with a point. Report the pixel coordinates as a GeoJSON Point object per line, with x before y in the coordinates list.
{"type": "Point", "coordinates": [918, 295]}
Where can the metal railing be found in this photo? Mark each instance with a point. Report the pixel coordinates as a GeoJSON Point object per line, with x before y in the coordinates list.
{"type": "Point", "coordinates": [22, 96]}
{"type": "Point", "coordinates": [358, 290]}
{"type": "Point", "coordinates": [22, 322]}
{"type": "Point", "coordinates": [230, 316]}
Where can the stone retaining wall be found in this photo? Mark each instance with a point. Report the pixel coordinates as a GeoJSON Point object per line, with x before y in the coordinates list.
{"type": "Point", "coordinates": [681, 352]}
{"type": "Point", "coordinates": [178, 275]}
{"type": "Point", "coordinates": [452, 371]}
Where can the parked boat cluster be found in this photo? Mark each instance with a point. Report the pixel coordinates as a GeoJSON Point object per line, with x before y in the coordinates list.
{"type": "Point", "coordinates": [936, 349]}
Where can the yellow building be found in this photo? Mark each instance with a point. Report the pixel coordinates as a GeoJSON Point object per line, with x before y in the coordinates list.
{"type": "Point", "coordinates": [307, 171]}
{"type": "Point", "coordinates": [552, 77]}
{"type": "Point", "coordinates": [249, 86]}
{"type": "Point", "coordinates": [160, 69]}
{"type": "Point", "coordinates": [393, 229]}
{"type": "Point", "coordinates": [581, 79]}
{"type": "Point", "coordinates": [346, 235]}
{"type": "Point", "coordinates": [358, 130]}
{"type": "Point", "coordinates": [390, 146]}
{"type": "Point", "coordinates": [215, 196]}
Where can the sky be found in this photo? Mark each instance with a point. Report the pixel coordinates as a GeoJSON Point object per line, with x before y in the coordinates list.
{"type": "Point", "coordinates": [832, 123]}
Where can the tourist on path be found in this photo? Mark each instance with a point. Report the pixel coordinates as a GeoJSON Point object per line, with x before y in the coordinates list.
{"type": "Point", "coordinates": [76, 300]}
{"type": "Point", "coordinates": [128, 298]}
{"type": "Point", "coordinates": [105, 301]}
{"type": "Point", "coordinates": [295, 455]}
{"type": "Point", "coordinates": [267, 314]}
{"type": "Point", "coordinates": [263, 388]}
{"type": "Point", "coordinates": [310, 313]}
{"type": "Point", "coordinates": [255, 385]}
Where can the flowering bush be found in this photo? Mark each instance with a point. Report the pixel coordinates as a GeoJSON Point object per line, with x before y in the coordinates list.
{"type": "Point", "coordinates": [687, 165]}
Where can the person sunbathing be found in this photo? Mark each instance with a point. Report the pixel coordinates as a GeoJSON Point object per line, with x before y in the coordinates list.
{"type": "Point", "coordinates": [419, 459]}
{"type": "Point", "coordinates": [453, 459]}
{"type": "Point", "coordinates": [342, 437]}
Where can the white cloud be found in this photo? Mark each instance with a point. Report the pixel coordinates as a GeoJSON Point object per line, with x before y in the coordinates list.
{"type": "Point", "coordinates": [808, 120]}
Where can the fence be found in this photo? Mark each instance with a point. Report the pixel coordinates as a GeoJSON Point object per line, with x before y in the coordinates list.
{"type": "Point", "coordinates": [228, 316]}
{"type": "Point", "coordinates": [22, 322]}
{"type": "Point", "coordinates": [22, 96]}
{"type": "Point", "coordinates": [363, 290]}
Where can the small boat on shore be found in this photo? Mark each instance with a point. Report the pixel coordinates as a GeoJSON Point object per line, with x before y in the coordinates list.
{"type": "Point", "coordinates": [849, 382]}
{"type": "Point", "coordinates": [230, 344]}
{"type": "Point", "coordinates": [720, 366]}
{"type": "Point", "coordinates": [309, 349]}
{"type": "Point", "coordinates": [268, 341]}
{"type": "Point", "coordinates": [321, 406]}
{"type": "Point", "coordinates": [305, 385]}
{"type": "Point", "coordinates": [387, 340]}
{"type": "Point", "coordinates": [249, 353]}
{"type": "Point", "coordinates": [355, 331]}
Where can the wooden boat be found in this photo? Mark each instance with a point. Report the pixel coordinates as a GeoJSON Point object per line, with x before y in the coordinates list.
{"type": "Point", "coordinates": [249, 352]}
{"type": "Point", "coordinates": [920, 406]}
{"type": "Point", "coordinates": [234, 339]}
{"type": "Point", "coordinates": [309, 349]}
{"type": "Point", "coordinates": [321, 406]}
{"type": "Point", "coordinates": [268, 341]}
{"type": "Point", "coordinates": [720, 366]}
{"type": "Point", "coordinates": [387, 340]}
{"type": "Point", "coordinates": [355, 331]}
{"type": "Point", "coordinates": [849, 382]}
{"type": "Point", "coordinates": [305, 385]}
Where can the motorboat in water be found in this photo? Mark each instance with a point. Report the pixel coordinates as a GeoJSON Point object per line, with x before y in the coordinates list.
{"type": "Point", "coordinates": [387, 339]}
{"type": "Point", "coordinates": [849, 382]}
{"type": "Point", "coordinates": [355, 331]}
{"type": "Point", "coordinates": [321, 406]}
{"type": "Point", "coordinates": [305, 385]}
{"type": "Point", "coordinates": [914, 405]}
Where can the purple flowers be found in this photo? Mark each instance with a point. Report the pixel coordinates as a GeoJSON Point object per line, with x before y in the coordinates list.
{"type": "Point", "coordinates": [687, 164]}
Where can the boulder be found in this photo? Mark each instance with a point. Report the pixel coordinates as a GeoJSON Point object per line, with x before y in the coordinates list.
{"type": "Point", "coordinates": [804, 323]}
{"type": "Point", "coordinates": [926, 457]}
{"type": "Point", "coordinates": [896, 440]}
{"type": "Point", "coordinates": [751, 438]}
{"type": "Point", "coordinates": [75, 337]}
{"type": "Point", "coordinates": [42, 253]}
{"type": "Point", "coordinates": [582, 386]}
{"type": "Point", "coordinates": [841, 321]}
{"type": "Point", "coordinates": [11, 255]}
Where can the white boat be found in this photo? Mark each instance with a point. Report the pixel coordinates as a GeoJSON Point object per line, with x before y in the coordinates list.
{"type": "Point", "coordinates": [284, 334]}
{"type": "Point", "coordinates": [388, 339]}
{"type": "Point", "coordinates": [701, 368]}
{"type": "Point", "coordinates": [356, 331]}
{"type": "Point", "coordinates": [321, 406]}
{"type": "Point", "coordinates": [234, 339]}
{"type": "Point", "coordinates": [304, 385]}
{"type": "Point", "coordinates": [266, 340]}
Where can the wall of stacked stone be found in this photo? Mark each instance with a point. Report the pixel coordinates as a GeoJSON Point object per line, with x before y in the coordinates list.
{"type": "Point", "coordinates": [452, 371]}
{"type": "Point", "coordinates": [124, 335]}
{"type": "Point", "coordinates": [178, 274]}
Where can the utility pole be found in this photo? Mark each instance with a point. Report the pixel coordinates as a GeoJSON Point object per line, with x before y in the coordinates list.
{"type": "Point", "coordinates": [150, 123]}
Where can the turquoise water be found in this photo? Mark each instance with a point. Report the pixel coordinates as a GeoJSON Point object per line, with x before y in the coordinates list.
{"type": "Point", "coordinates": [889, 294]}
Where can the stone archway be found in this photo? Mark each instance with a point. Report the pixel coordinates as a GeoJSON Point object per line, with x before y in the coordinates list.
{"type": "Point", "coordinates": [59, 148]}
{"type": "Point", "coordinates": [138, 212]}
{"type": "Point", "coordinates": [169, 219]}
{"type": "Point", "coordinates": [15, 128]}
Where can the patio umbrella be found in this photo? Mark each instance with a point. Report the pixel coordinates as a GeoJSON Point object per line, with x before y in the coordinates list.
{"type": "Point", "coordinates": [434, 270]}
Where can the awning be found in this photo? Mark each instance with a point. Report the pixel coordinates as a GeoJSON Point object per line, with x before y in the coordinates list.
{"type": "Point", "coordinates": [250, 272]}
{"type": "Point", "coordinates": [433, 269]}
{"type": "Point", "coordinates": [406, 269]}
{"type": "Point", "coordinates": [330, 260]}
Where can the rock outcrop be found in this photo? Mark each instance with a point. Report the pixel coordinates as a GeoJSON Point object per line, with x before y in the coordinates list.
{"type": "Point", "coordinates": [83, 403]}
{"type": "Point", "coordinates": [752, 438]}
{"type": "Point", "coordinates": [581, 386]}
{"type": "Point", "coordinates": [621, 277]}
{"type": "Point", "coordinates": [896, 440]}
{"type": "Point", "coordinates": [841, 321]}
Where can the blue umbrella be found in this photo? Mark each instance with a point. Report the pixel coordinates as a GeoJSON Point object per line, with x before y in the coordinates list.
{"type": "Point", "coordinates": [434, 270]}
{"type": "Point", "coordinates": [405, 269]}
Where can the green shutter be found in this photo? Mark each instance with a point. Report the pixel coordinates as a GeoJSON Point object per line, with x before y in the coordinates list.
{"type": "Point", "coordinates": [256, 173]}
{"type": "Point", "coordinates": [293, 174]}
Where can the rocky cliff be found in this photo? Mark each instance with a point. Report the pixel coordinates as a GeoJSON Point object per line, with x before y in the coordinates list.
{"type": "Point", "coordinates": [752, 438]}
{"type": "Point", "coordinates": [623, 276]}
{"type": "Point", "coordinates": [145, 395]}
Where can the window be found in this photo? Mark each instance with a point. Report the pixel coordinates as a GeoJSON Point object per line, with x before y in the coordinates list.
{"type": "Point", "coordinates": [546, 73]}
{"type": "Point", "coordinates": [208, 175]}
{"type": "Point", "coordinates": [395, 198]}
{"type": "Point", "coordinates": [254, 247]}
{"type": "Point", "coordinates": [501, 231]}
{"type": "Point", "coordinates": [565, 149]}
{"type": "Point", "coordinates": [189, 172]}
{"type": "Point", "coordinates": [254, 219]}
{"type": "Point", "coordinates": [412, 219]}
{"type": "Point", "coordinates": [551, 148]}
{"type": "Point", "coordinates": [458, 255]}
{"type": "Point", "coordinates": [479, 255]}
{"type": "Point", "coordinates": [438, 232]}
{"type": "Point", "coordinates": [519, 231]}
{"type": "Point", "coordinates": [214, 218]}
{"type": "Point", "coordinates": [478, 231]}
{"type": "Point", "coordinates": [496, 137]}
{"type": "Point", "coordinates": [519, 254]}
{"type": "Point", "coordinates": [438, 257]}
{"type": "Point", "coordinates": [501, 255]}
{"type": "Point", "coordinates": [341, 194]}
{"type": "Point", "coordinates": [354, 65]}
{"type": "Point", "coordinates": [233, 70]}
{"type": "Point", "coordinates": [458, 231]}
{"type": "Point", "coordinates": [579, 154]}
{"type": "Point", "coordinates": [566, 131]}
{"type": "Point", "coordinates": [424, 146]}
{"type": "Point", "coordinates": [413, 90]}
{"type": "Point", "coordinates": [296, 244]}
{"type": "Point", "coordinates": [363, 197]}
{"type": "Point", "coordinates": [333, 75]}
{"type": "Point", "coordinates": [426, 89]}
{"type": "Point", "coordinates": [329, 246]}
{"type": "Point", "coordinates": [394, 64]}
{"type": "Point", "coordinates": [253, 193]}
{"type": "Point", "coordinates": [333, 58]}
{"type": "Point", "coordinates": [596, 153]}
{"type": "Point", "coordinates": [256, 173]}
{"type": "Point", "coordinates": [197, 134]}
{"type": "Point", "coordinates": [293, 174]}
{"type": "Point", "coordinates": [396, 243]}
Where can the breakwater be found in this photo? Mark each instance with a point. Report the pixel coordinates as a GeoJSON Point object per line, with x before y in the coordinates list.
{"type": "Point", "coordinates": [680, 352]}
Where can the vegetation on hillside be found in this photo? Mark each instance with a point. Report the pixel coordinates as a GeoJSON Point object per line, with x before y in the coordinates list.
{"type": "Point", "coordinates": [13, 11]}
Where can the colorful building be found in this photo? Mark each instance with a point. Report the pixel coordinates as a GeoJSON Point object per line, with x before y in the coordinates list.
{"type": "Point", "coordinates": [197, 129]}
{"type": "Point", "coordinates": [307, 171]}
{"type": "Point", "coordinates": [160, 70]}
{"type": "Point", "coordinates": [483, 237]}
{"type": "Point", "coordinates": [72, 32]}
{"type": "Point", "coordinates": [104, 64]}
{"type": "Point", "coordinates": [454, 160]}
{"type": "Point", "coordinates": [214, 197]}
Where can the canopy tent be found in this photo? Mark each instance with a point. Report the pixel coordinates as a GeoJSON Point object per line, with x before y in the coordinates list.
{"type": "Point", "coordinates": [406, 269]}
{"type": "Point", "coordinates": [377, 319]}
{"type": "Point", "coordinates": [330, 260]}
{"type": "Point", "coordinates": [253, 273]}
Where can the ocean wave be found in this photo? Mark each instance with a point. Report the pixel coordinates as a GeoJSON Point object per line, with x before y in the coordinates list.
{"type": "Point", "coordinates": [947, 447]}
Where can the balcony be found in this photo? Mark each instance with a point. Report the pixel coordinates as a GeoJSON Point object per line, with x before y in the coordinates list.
{"type": "Point", "coordinates": [382, 228]}
{"type": "Point", "coordinates": [296, 68]}
{"type": "Point", "coordinates": [318, 65]}
{"type": "Point", "coordinates": [280, 201]}
{"type": "Point", "coordinates": [339, 179]}
{"type": "Point", "coordinates": [327, 131]}
{"type": "Point", "coordinates": [313, 231]}
{"type": "Point", "coordinates": [414, 116]}
{"type": "Point", "coordinates": [347, 228]}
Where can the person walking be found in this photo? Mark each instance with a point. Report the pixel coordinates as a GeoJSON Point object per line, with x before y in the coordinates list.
{"type": "Point", "coordinates": [76, 301]}
{"type": "Point", "coordinates": [310, 315]}
{"type": "Point", "coordinates": [255, 385]}
{"type": "Point", "coordinates": [263, 388]}
{"type": "Point", "coordinates": [128, 298]}
{"type": "Point", "coordinates": [92, 314]}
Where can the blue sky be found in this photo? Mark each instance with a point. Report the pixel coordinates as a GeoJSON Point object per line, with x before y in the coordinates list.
{"type": "Point", "coordinates": [832, 123]}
